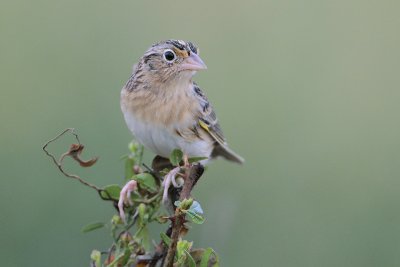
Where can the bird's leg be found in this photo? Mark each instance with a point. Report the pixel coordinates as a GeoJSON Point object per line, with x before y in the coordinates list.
{"type": "Point", "coordinates": [125, 197]}
{"type": "Point", "coordinates": [170, 177]}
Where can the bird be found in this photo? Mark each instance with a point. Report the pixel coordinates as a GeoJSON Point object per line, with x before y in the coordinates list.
{"type": "Point", "coordinates": [166, 110]}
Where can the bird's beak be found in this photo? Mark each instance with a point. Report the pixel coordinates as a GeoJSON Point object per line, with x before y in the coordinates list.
{"type": "Point", "coordinates": [193, 62]}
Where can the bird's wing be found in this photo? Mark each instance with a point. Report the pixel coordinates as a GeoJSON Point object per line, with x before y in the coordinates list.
{"type": "Point", "coordinates": [207, 120]}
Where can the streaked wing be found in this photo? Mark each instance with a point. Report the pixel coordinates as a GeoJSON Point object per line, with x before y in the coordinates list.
{"type": "Point", "coordinates": [207, 117]}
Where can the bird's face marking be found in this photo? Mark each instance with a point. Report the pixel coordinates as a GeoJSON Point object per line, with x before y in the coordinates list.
{"type": "Point", "coordinates": [172, 59]}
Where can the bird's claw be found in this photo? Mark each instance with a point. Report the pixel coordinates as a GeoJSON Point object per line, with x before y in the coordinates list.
{"type": "Point", "coordinates": [125, 197]}
{"type": "Point", "coordinates": [170, 178]}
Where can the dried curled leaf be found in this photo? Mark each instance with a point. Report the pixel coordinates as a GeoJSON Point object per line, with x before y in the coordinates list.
{"type": "Point", "coordinates": [75, 151]}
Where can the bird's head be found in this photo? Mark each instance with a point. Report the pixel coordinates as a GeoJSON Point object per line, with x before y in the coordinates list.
{"type": "Point", "coordinates": [172, 59]}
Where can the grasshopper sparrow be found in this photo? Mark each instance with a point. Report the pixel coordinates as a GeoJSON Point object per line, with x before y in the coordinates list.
{"type": "Point", "coordinates": [166, 110]}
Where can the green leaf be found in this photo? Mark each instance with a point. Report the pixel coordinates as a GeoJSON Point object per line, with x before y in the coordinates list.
{"type": "Point", "coordinates": [111, 191]}
{"type": "Point", "coordinates": [133, 147]}
{"type": "Point", "coordinates": [142, 213]}
{"type": "Point", "coordinates": [190, 259]}
{"type": "Point", "coordinates": [165, 239]}
{"type": "Point", "coordinates": [129, 163]}
{"type": "Point", "coordinates": [206, 257]}
{"type": "Point", "coordinates": [196, 159]}
{"type": "Point", "coordinates": [147, 180]}
{"type": "Point", "coordinates": [116, 220]}
{"type": "Point", "coordinates": [184, 258]}
{"type": "Point", "coordinates": [195, 213]}
{"type": "Point", "coordinates": [92, 226]}
{"type": "Point", "coordinates": [96, 258]}
{"type": "Point", "coordinates": [144, 235]}
{"type": "Point", "coordinates": [184, 204]}
{"type": "Point", "coordinates": [182, 246]}
{"type": "Point", "coordinates": [176, 157]}
{"type": "Point", "coordinates": [195, 217]}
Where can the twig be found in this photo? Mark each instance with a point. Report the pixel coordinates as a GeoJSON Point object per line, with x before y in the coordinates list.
{"type": "Point", "coordinates": [192, 176]}
{"type": "Point", "coordinates": [152, 172]}
{"type": "Point", "coordinates": [59, 162]}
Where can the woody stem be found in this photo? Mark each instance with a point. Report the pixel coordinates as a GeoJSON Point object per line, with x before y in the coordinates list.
{"type": "Point", "coordinates": [192, 175]}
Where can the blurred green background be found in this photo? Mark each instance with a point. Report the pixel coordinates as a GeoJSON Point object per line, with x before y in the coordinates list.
{"type": "Point", "coordinates": [307, 91]}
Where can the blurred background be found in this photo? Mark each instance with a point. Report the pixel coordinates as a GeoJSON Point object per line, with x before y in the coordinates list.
{"type": "Point", "coordinates": [307, 91]}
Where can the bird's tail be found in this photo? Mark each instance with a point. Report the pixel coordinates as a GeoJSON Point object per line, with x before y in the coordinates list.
{"type": "Point", "coordinates": [227, 153]}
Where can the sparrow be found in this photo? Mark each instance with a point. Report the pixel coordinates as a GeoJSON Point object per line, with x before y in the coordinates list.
{"type": "Point", "coordinates": [166, 110]}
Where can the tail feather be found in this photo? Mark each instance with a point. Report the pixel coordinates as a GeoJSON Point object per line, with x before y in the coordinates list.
{"type": "Point", "coordinates": [227, 153]}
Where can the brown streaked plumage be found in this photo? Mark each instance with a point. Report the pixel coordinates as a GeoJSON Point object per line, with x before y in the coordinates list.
{"type": "Point", "coordinates": [166, 110]}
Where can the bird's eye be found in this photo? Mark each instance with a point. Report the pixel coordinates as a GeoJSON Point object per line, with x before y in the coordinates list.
{"type": "Point", "coordinates": [169, 55]}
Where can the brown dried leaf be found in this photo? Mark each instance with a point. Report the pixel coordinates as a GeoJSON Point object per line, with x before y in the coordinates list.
{"type": "Point", "coordinates": [75, 150]}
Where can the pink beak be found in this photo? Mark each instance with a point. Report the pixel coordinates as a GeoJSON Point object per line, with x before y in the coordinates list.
{"type": "Point", "coordinates": [193, 62]}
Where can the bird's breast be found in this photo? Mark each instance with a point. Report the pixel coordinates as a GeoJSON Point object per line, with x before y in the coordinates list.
{"type": "Point", "coordinates": [155, 121]}
{"type": "Point", "coordinates": [164, 109]}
